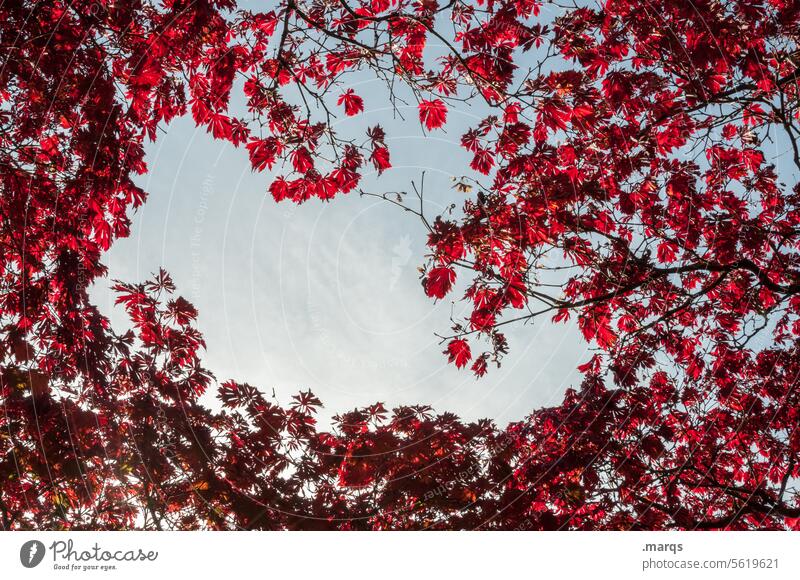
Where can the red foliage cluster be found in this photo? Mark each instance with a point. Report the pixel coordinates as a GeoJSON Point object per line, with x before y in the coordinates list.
{"type": "Point", "coordinates": [629, 188]}
{"type": "Point", "coordinates": [140, 450]}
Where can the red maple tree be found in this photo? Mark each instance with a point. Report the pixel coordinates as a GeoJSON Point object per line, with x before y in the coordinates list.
{"type": "Point", "coordinates": [629, 185]}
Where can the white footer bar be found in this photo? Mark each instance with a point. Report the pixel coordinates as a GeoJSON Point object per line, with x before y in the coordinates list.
{"type": "Point", "coordinates": [400, 555]}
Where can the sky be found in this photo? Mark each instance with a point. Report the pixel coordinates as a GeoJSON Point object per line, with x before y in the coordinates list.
{"type": "Point", "coordinates": [327, 296]}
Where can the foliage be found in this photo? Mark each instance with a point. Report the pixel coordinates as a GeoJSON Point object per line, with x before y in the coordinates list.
{"type": "Point", "coordinates": [628, 187]}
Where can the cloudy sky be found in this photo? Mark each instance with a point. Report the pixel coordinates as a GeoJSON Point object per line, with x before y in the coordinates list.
{"type": "Point", "coordinates": [327, 296]}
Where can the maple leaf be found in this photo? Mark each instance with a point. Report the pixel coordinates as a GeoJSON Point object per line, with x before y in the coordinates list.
{"type": "Point", "coordinates": [353, 104]}
{"type": "Point", "coordinates": [479, 367]}
{"type": "Point", "coordinates": [380, 158]}
{"type": "Point", "coordinates": [262, 153]}
{"type": "Point", "coordinates": [483, 161]}
{"type": "Point", "coordinates": [301, 160]}
{"type": "Point", "coordinates": [279, 189]}
{"type": "Point", "coordinates": [220, 126]}
{"type": "Point", "coordinates": [439, 281]}
{"type": "Point", "coordinates": [433, 114]}
{"type": "Point", "coordinates": [458, 352]}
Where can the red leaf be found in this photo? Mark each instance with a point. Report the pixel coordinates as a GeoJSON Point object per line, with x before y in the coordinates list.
{"type": "Point", "coordinates": [483, 161]}
{"type": "Point", "coordinates": [279, 189]}
{"type": "Point", "coordinates": [433, 114]}
{"type": "Point", "coordinates": [380, 158]}
{"type": "Point", "coordinates": [353, 104]}
{"type": "Point", "coordinates": [301, 160]}
{"type": "Point", "coordinates": [439, 282]}
{"type": "Point", "coordinates": [458, 352]}
{"type": "Point", "coordinates": [479, 366]}
{"type": "Point", "coordinates": [262, 153]}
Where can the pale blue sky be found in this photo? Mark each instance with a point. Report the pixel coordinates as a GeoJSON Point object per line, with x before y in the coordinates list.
{"type": "Point", "coordinates": [327, 296]}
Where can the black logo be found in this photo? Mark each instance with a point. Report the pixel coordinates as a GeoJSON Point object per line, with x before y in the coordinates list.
{"type": "Point", "coordinates": [31, 553]}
